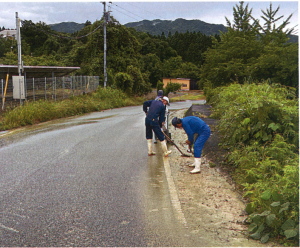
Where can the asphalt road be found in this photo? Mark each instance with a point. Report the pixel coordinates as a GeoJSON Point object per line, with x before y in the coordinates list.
{"type": "Point", "coordinates": [87, 181]}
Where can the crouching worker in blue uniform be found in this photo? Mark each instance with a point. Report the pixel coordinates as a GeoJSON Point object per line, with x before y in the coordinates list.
{"type": "Point", "coordinates": [155, 118]}
{"type": "Point", "coordinates": [194, 125]}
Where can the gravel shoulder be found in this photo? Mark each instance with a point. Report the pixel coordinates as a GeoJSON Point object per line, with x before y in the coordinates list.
{"type": "Point", "coordinates": [209, 200]}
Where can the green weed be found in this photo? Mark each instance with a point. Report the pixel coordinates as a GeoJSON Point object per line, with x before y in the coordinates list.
{"type": "Point", "coordinates": [41, 111]}
{"type": "Point", "coordinates": [187, 97]}
{"type": "Point", "coordinates": [260, 129]}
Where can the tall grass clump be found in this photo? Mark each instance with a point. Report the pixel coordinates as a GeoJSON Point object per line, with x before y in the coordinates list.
{"type": "Point", "coordinates": [259, 126]}
{"type": "Point", "coordinates": [40, 111]}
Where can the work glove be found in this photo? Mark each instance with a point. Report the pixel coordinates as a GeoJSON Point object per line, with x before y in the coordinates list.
{"type": "Point", "coordinates": [189, 149]}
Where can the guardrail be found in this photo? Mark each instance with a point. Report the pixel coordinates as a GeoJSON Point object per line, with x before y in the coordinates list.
{"type": "Point", "coordinates": [54, 89]}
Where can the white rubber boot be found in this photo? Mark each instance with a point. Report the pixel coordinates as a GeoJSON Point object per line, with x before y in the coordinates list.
{"type": "Point", "coordinates": [165, 149]}
{"type": "Point", "coordinates": [192, 165]}
{"type": "Point", "coordinates": [197, 166]}
{"type": "Point", "coordinates": [150, 148]}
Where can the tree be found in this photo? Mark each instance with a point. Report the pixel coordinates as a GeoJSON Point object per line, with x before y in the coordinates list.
{"type": "Point", "coordinates": [231, 59]}
{"type": "Point", "coordinates": [190, 70]}
{"type": "Point", "coordinates": [35, 35]}
{"type": "Point", "coordinates": [151, 63]}
{"type": "Point", "coordinates": [159, 85]}
{"type": "Point", "coordinates": [51, 45]}
{"type": "Point", "coordinates": [87, 23]}
{"type": "Point", "coordinates": [110, 78]}
{"type": "Point", "coordinates": [6, 45]}
{"type": "Point", "coordinates": [279, 59]}
{"type": "Point", "coordinates": [190, 46]}
{"type": "Point", "coordinates": [172, 67]}
{"type": "Point", "coordinates": [278, 63]}
{"type": "Point", "coordinates": [124, 82]}
{"type": "Point", "coordinates": [171, 87]}
{"type": "Point", "coordinates": [241, 55]}
{"type": "Point", "coordinates": [270, 20]}
{"type": "Point", "coordinates": [242, 17]}
{"type": "Point", "coordinates": [140, 86]}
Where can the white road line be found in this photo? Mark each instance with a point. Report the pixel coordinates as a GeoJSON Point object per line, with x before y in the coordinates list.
{"type": "Point", "coordinates": [173, 192]}
{"type": "Point", "coordinates": [8, 228]}
{"type": "Point", "coordinates": [63, 153]}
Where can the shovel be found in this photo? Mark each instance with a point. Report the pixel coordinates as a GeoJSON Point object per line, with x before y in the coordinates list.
{"type": "Point", "coordinates": [182, 154]}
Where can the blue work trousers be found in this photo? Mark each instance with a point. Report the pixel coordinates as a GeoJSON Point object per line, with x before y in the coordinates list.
{"type": "Point", "coordinates": [200, 141]}
{"type": "Point", "coordinates": [152, 125]}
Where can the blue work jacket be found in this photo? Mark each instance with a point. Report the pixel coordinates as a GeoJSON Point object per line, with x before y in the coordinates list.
{"type": "Point", "coordinates": [156, 110]}
{"type": "Point", "coordinates": [194, 125]}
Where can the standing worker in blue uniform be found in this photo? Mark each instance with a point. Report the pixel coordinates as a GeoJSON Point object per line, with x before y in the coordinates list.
{"type": "Point", "coordinates": [194, 125]}
{"type": "Point", "coordinates": [155, 118]}
{"type": "Point", "coordinates": [159, 95]}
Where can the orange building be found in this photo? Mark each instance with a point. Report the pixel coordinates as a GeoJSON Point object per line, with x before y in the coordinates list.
{"type": "Point", "coordinates": [187, 83]}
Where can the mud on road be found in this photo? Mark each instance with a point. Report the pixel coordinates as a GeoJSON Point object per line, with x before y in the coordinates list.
{"type": "Point", "coordinates": [211, 205]}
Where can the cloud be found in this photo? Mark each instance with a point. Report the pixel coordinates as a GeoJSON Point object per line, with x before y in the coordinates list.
{"type": "Point", "coordinates": [124, 12]}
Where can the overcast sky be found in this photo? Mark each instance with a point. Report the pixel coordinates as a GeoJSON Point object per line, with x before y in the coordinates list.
{"type": "Point", "coordinates": [51, 12]}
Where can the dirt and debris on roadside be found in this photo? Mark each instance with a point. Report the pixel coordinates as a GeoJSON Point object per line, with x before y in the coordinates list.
{"type": "Point", "coordinates": [210, 203]}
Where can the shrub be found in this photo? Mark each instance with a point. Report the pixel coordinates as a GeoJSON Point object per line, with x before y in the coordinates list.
{"type": "Point", "coordinates": [256, 112]}
{"type": "Point", "coordinates": [259, 128]}
{"type": "Point", "coordinates": [171, 87]}
{"type": "Point", "coordinates": [160, 85]}
{"type": "Point", "coordinates": [124, 82]}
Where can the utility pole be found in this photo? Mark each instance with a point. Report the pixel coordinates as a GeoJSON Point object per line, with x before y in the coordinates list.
{"type": "Point", "coordinates": [19, 44]}
{"type": "Point", "coordinates": [104, 32]}
{"type": "Point", "coordinates": [106, 19]}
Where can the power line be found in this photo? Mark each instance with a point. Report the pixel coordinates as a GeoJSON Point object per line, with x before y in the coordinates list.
{"type": "Point", "coordinates": [125, 14]}
{"type": "Point", "coordinates": [145, 10]}
{"type": "Point", "coordinates": [128, 11]}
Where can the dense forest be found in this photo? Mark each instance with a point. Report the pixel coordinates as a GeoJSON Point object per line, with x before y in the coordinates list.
{"type": "Point", "coordinates": [137, 61]}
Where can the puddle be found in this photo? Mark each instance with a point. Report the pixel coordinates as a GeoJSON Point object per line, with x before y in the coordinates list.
{"type": "Point", "coordinates": [3, 133]}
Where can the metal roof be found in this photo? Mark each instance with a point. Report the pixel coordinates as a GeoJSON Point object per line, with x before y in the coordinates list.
{"type": "Point", "coordinates": [36, 71]}
{"type": "Point", "coordinates": [177, 78]}
{"type": "Point", "coordinates": [7, 33]}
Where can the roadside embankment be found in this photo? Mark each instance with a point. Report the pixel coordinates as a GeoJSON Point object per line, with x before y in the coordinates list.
{"type": "Point", "coordinates": [212, 207]}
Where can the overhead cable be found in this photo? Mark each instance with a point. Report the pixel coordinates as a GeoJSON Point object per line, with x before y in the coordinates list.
{"type": "Point", "coordinates": [128, 11]}
{"type": "Point", "coordinates": [125, 14]}
{"type": "Point", "coordinates": [145, 10]}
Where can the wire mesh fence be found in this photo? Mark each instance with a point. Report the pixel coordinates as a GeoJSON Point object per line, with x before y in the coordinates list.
{"type": "Point", "coordinates": [51, 89]}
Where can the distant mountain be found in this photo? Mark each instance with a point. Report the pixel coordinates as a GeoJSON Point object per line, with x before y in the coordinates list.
{"type": "Point", "coordinates": [156, 27]}
{"type": "Point", "coordinates": [293, 38]}
{"type": "Point", "coordinates": [67, 27]}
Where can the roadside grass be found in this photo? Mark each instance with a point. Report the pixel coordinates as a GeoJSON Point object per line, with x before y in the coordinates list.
{"type": "Point", "coordinates": [259, 128]}
{"type": "Point", "coordinates": [103, 98]}
{"type": "Point", "coordinates": [189, 95]}
{"type": "Point", "coordinates": [40, 111]}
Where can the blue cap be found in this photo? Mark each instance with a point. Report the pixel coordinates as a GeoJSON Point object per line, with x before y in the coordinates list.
{"type": "Point", "coordinates": [174, 121]}
{"type": "Point", "coordinates": [160, 93]}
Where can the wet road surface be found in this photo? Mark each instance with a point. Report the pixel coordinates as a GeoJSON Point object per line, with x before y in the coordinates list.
{"type": "Point", "coordinates": [87, 181]}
